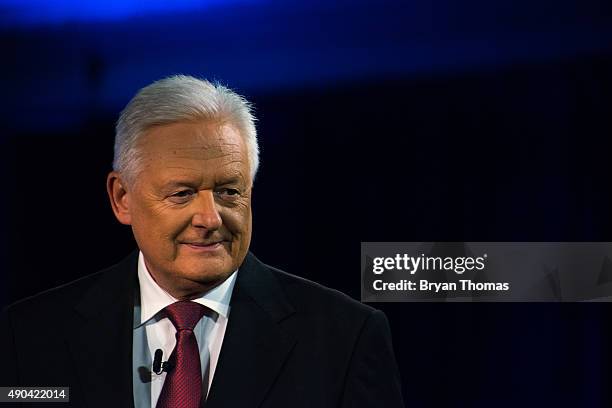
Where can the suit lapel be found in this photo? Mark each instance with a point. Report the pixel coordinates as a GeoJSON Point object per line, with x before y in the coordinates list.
{"type": "Point", "coordinates": [255, 345]}
{"type": "Point", "coordinates": [102, 344]}
{"type": "Point", "coordinates": [254, 348]}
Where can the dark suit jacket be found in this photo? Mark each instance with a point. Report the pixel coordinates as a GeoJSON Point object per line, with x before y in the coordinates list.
{"type": "Point", "coordinates": [289, 343]}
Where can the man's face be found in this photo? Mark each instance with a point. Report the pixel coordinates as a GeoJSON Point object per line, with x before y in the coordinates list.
{"type": "Point", "coordinates": [190, 206]}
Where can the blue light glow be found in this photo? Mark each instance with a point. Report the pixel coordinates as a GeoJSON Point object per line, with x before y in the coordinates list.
{"type": "Point", "coordinates": [49, 12]}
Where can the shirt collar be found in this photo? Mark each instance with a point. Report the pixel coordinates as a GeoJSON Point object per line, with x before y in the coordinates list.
{"type": "Point", "coordinates": [153, 298]}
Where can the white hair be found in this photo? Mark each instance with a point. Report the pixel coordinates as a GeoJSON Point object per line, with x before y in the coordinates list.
{"type": "Point", "coordinates": [175, 99]}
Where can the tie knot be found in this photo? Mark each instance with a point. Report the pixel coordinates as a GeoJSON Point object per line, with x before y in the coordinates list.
{"type": "Point", "coordinates": [185, 314]}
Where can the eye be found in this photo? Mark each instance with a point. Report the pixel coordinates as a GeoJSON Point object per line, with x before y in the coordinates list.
{"type": "Point", "coordinates": [228, 193]}
{"type": "Point", "coordinates": [181, 196]}
{"type": "Point", "coordinates": [183, 193]}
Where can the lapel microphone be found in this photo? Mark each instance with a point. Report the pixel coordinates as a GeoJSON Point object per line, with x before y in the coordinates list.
{"type": "Point", "coordinates": [159, 366]}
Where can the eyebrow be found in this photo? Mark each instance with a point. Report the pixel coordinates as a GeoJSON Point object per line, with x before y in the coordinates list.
{"type": "Point", "coordinates": [231, 180]}
{"type": "Point", "coordinates": [233, 177]}
{"type": "Point", "coordinates": [174, 184]}
{"type": "Point", "coordinates": [171, 185]}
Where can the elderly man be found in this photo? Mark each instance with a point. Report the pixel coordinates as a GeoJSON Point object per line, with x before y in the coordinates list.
{"type": "Point", "coordinates": [193, 319]}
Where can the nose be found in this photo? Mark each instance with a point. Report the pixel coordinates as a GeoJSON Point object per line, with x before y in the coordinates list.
{"type": "Point", "coordinates": [206, 214]}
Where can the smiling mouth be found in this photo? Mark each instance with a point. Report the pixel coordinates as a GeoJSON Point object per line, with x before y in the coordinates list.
{"type": "Point", "coordinates": [204, 247]}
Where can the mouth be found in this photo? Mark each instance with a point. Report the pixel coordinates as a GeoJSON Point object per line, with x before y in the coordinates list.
{"type": "Point", "coordinates": [203, 246]}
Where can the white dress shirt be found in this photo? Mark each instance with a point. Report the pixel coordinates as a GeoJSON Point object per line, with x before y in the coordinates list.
{"type": "Point", "coordinates": [160, 332]}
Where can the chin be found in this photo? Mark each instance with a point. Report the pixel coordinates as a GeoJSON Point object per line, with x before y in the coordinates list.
{"type": "Point", "coordinates": [209, 275]}
{"type": "Point", "coordinates": [205, 271]}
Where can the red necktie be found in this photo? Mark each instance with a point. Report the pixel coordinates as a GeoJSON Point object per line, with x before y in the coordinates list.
{"type": "Point", "coordinates": [183, 384]}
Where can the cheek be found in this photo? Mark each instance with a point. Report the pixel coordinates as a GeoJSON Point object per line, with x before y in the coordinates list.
{"type": "Point", "coordinates": [238, 220]}
{"type": "Point", "coordinates": [160, 227]}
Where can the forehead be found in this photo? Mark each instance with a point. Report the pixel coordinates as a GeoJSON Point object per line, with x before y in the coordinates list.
{"type": "Point", "coordinates": [192, 139]}
{"type": "Point", "coordinates": [187, 147]}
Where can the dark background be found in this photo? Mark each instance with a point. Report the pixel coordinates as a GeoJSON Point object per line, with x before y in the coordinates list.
{"type": "Point", "coordinates": [378, 121]}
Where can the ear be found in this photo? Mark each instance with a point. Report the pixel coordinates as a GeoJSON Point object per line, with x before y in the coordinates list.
{"type": "Point", "coordinates": [119, 197]}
